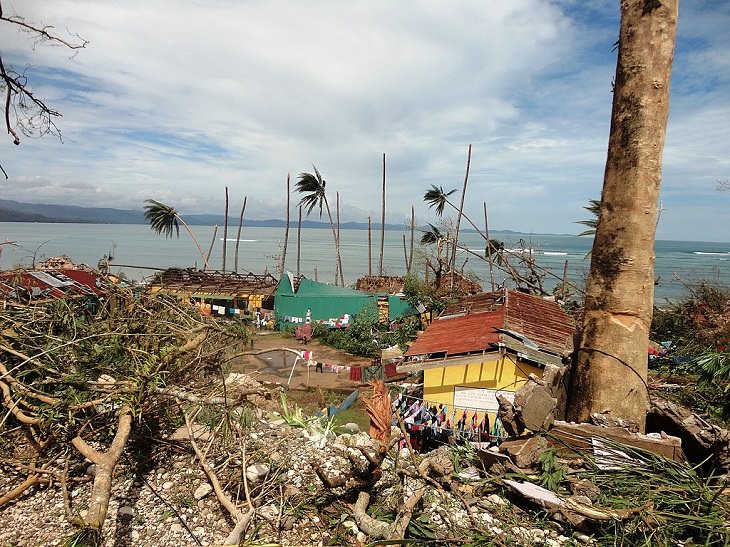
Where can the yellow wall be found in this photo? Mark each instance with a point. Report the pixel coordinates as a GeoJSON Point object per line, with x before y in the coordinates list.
{"type": "Point", "coordinates": [501, 374]}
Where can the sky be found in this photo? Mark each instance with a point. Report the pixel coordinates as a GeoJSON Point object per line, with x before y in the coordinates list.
{"type": "Point", "coordinates": [175, 100]}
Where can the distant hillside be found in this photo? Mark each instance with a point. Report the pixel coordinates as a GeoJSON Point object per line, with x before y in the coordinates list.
{"type": "Point", "coordinates": [15, 211]}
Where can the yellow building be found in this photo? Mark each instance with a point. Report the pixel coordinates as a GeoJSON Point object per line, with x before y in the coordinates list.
{"type": "Point", "coordinates": [485, 345]}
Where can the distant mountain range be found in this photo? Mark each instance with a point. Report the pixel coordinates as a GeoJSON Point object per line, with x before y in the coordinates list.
{"type": "Point", "coordinates": [15, 211]}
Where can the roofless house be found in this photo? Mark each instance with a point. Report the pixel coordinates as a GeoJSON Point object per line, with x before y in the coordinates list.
{"type": "Point", "coordinates": [219, 293]}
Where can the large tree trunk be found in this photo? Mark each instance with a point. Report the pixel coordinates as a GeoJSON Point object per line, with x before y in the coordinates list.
{"type": "Point", "coordinates": [611, 357]}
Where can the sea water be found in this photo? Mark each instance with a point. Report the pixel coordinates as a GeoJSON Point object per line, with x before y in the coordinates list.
{"type": "Point", "coordinates": [138, 252]}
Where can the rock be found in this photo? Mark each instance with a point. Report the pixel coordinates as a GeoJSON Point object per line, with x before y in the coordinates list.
{"type": "Point", "coordinates": [176, 527]}
{"type": "Point", "coordinates": [470, 474]}
{"type": "Point", "coordinates": [200, 433]}
{"type": "Point", "coordinates": [125, 512]}
{"type": "Point", "coordinates": [538, 409]}
{"type": "Point", "coordinates": [494, 499]}
{"type": "Point", "coordinates": [701, 441]}
{"type": "Point", "coordinates": [203, 490]}
{"type": "Point", "coordinates": [91, 470]}
{"type": "Point", "coordinates": [511, 421]}
{"type": "Point", "coordinates": [352, 427]}
{"type": "Point", "coordinates": [586, 488]}
{"type": "Point", "coordinates": [288, 522]}
{"type": "Point", "coordinates": [167, 485]}
{"type": "Point", "coordinates": [257, 472]}
{"type": "Point", "coordinates": [524, 452]}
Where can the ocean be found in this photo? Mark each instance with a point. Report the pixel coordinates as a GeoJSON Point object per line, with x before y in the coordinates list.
{"type": "Point", "coordinates": [138, 252]}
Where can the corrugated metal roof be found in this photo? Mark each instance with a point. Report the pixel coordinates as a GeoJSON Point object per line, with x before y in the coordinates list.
{"type": "Point", "coordinates": [220, 284]}
{"type": "Point", "coordinates": [464, 330]}
{"type": "Point", "coordinates": [34, 285]}
{"type": "Point", "coordinates": [458, 335]}
{"type": "Point", "coordinates": [542, 321]}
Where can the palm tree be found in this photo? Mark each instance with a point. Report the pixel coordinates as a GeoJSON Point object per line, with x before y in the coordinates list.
{"type": "Point", "coordinates": [312, 186]}
{"type": "Point", "coordinates": [593, 207]}
{"type": "Point", "coordinates": [437, 198]}
{"type": "Point", "coordinates": [164, 219]}
{"type": "Point", "coordinates": [433, 236]}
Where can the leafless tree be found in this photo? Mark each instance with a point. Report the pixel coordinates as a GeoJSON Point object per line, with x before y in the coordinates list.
{"type": "Point", "coordinates": [24, 112]}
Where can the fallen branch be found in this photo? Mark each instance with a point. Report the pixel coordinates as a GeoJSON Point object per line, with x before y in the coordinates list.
{"type": "Point", "coordinates": [105, 464]}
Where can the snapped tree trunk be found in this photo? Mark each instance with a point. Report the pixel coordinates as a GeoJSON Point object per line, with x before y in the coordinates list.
{"type": "Point", "coordinates": [299, 242]}
{"type": "Point", "coordinates": [282, 266]}
{"type": "Point", "coordinates": [458, 217]}
{"type": "Point", "coordinates": [238, 235]}
{"type": "Point", "coordinates": [225, 232]}
{"type": "Point", "coordinates": [382, 221]}
{"type": "Point", "coordinates": [611, 355]}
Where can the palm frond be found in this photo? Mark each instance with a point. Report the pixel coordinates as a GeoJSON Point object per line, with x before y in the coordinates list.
{"type": "Point", "coordinates": [162, 218]}
{"type": "Point", "coordinates": [594, 207]}
{"type": "Point", "coordinates": [313, 188]}
{"type": "Point", "coordinates": [431, 236]}
{"type": "Point", "coordinates": [437, 198]}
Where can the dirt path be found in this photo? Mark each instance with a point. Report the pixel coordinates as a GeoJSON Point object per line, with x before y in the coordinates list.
{"type": "Point", "coordinates": [275, 367]}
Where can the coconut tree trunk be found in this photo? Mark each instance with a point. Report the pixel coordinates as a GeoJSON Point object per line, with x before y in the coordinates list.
{"type": "Point", "coordinates": [195, 240]}
{"type": "Point", "coordinates": [489, 247]}
{"type": "Point", "coordinates": [611, 357]}
{"type": "Point", "coordinates": [339, 258]}
{"type": "Point", "coordinates": [370, 248]}
{"type": "Point", "coordinates": [282, 266]}
{"type": "Point", "coordinates": [382, 220]}
{"type": "Point", "coordinates": [238, 235]}
{"type": "Point", "coordinates": [299, 242]}
{"type": "Point", "coordinates": [334, 235]}
{"type": "Point", "coordinates": [225, 232]}
{"type": "Point", "coordinates": [461, 212]}
{"type": "Point", "coordinates": [413, 229]}
{"type": "Point", "coordinates": [212, 244]}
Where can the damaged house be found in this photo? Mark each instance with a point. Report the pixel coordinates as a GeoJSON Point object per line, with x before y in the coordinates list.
{"type": "Point", "coordinates": [487, 345]}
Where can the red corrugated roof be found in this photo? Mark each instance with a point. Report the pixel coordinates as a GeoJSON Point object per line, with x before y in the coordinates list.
{"type": "Point", "coordinates": [458, 335]}
{"type": "Point", "coordinates": [542, 321]}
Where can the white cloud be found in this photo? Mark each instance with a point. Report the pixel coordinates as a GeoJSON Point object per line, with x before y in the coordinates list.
{"type": "Point", "coordinates": [175, 100]}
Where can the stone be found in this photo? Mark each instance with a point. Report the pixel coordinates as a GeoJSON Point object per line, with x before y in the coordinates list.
{"type": "Point", "coordinates": [585, 488]}
{"type": "Point", "coordinates": [167, 485]}
{"type": "Point", "coordinates": [203, 490]}
{"type": "Point", "coordinates": [524, 452]}
{"type": "Point", "coordinates": [701, 441]}
{"type": "Point", "coordinates": [352, 427]}
{"type": "Point", "coordinates": [91, 470]}
{"type": "Point", "coordinates": [257, 472]}
{"type": "Point", "coordinates": [200, 433]}
{"type": "Point", "coordinates": [125, 512]}
{"type": "Point", "coordinates": [135, 535]}
{"type": "Point", "coordinates": [538, 410]}
{"type": "Point", "coordinates": [176, 527]}
{"type": "Point", "coordinates": [511, 421]}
